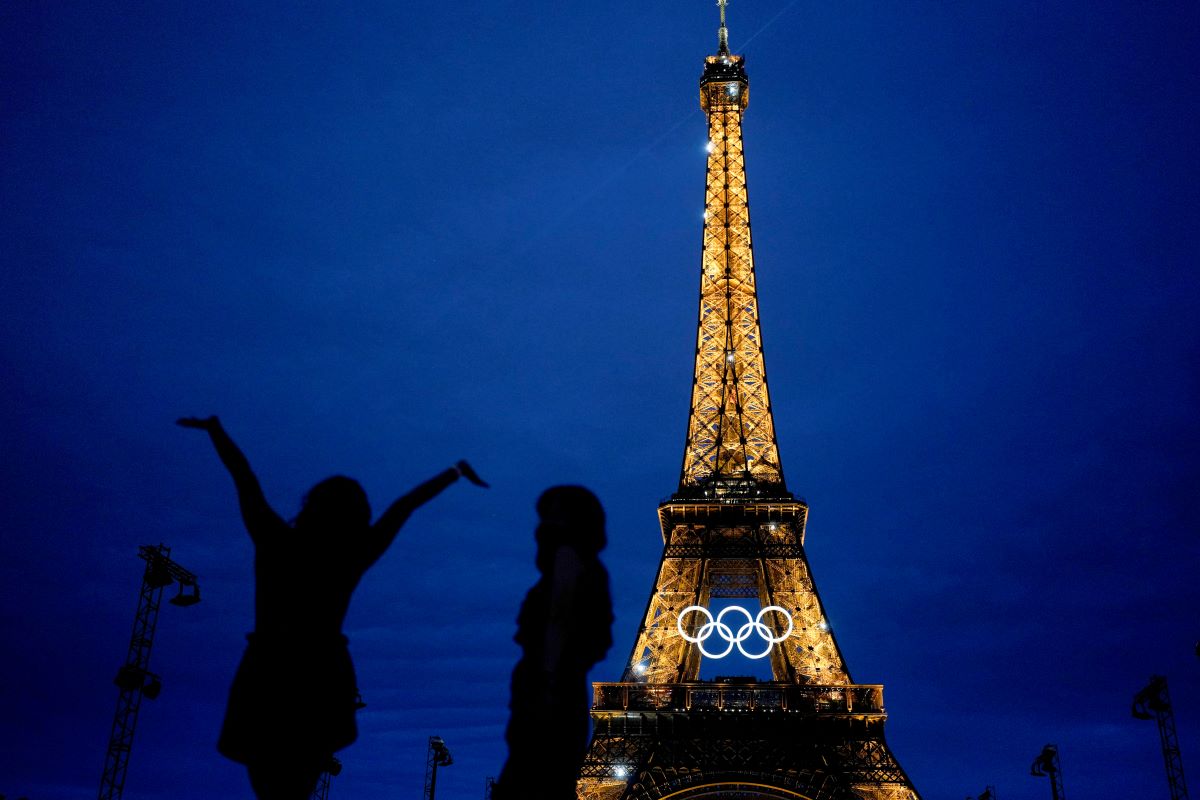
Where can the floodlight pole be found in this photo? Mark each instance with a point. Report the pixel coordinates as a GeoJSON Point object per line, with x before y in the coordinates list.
{"type": "Point", "coordinates": [321, 791]}
{"type": "Point", "coordinates": [134, 678]}
{"type": "Point", "coordinates": [438, 755]}
{"type": "Point", "coordinates": [1047, 765]}
{"type": "Point", "coordinates": [1153, 702]}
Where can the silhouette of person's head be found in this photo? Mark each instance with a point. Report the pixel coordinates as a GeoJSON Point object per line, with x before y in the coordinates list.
{"type": "Point", "coordinates": [569, 515]}
{"type": "Point", "coordinates": [337, 502]}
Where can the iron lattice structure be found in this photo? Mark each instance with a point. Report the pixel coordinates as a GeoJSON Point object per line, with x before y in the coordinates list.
{"type": "Point", "coordinates": [332, 769]}
{"type": "Point", "coordinates": [321, 790]}
{"type": "Point", "coordinates": [437, 755]}
{"type": "Point", "coordinates": [1154, 702]}
{"type": "Point", "coordinates": [731, 436]}
{"type": "Point", "coordinates": [1048, 765]}
{"type": "Point", "coordinates": [134, 679]}
{"type": "Point", "coordinates": [732, 530]}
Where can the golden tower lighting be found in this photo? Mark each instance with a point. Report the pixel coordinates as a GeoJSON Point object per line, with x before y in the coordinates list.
{"type": "Point", "coordinates": [732, 531]}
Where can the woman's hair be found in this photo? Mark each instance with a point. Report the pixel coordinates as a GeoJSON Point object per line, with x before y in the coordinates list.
{"type": "Point", "coordinates": [334, 502]}
{"type": "Point", "coordinates": [573, 516]}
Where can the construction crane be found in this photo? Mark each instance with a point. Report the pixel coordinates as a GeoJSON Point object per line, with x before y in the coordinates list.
{"type": "Point", "coordinates": [1046, 765]}
{"type": "Point", "coordinates": [134, 678]}
{"type": "Point", "coordinates": [332, 769]}
{"type": "Point", "coordinates": [1153, 702]}
{"type": "Point", "coordinates": [437, 756]}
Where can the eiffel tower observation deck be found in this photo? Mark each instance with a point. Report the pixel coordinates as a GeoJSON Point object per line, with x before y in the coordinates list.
{"type": "Point", "coordinates": [732, 530]}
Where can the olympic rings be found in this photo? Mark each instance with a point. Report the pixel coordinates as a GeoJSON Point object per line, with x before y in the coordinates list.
{"type": "Point", "coordinates": [718, 626]}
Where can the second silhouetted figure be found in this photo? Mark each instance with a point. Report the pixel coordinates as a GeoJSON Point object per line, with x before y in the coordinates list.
{"type": "Point", "coordinates": [564, 627]}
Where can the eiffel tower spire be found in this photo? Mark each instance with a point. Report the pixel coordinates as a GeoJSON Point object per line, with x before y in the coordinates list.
{"type": "Point", "coordinates": [722, 32]}
{"type": "Point", "coordinates": [730, 446]}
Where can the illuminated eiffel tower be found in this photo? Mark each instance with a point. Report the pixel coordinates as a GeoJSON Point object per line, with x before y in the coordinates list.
{"type": "Point", "coordinates": [733, 530]}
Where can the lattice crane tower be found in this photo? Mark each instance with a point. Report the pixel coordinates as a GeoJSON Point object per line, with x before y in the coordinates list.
{"type": "Point", "coordinates": [733, 530]}
{"type": "Point", "coordinates": [1154, 702]}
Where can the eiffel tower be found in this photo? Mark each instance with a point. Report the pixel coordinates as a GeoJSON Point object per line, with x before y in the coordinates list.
{"type": "Point", "coordinates": [733, 530]}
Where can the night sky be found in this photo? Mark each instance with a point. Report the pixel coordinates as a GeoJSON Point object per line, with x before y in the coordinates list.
{"type": "Point", "coordinates": [379, 237]}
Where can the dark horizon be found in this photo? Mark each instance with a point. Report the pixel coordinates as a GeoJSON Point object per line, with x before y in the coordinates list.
{"type": "Point", "coordinates": [380, 240]}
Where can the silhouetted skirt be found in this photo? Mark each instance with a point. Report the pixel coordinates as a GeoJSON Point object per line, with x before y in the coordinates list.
{"type": "Point", "coordinates": [293, 695]}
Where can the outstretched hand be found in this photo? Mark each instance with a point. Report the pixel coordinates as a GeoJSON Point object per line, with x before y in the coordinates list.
{"type": "Point", "coordinates": [199, 423]}
{"type": "Point", "coordinates": [467, 472]}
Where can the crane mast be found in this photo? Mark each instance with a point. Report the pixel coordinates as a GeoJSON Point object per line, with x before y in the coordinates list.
{"type": "Point", "coordinates": [1153, 702]}
{"type": "Point", "coordinates": [1047, 765]}
{"type": "Point", "coordinates": [438, 755]}
{"type": "Point", "coordinates": [134, 678]}
{"type": "Point", "coordinates": [332, 768]}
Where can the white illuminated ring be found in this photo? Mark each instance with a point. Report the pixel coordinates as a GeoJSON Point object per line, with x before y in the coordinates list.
{"type": "Point", "coordinates": [706, 630]}
{"type": "Point", "coordinates": [718, 626]}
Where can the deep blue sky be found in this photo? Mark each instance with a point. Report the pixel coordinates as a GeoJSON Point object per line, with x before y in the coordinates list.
{"type": "Point", "coordinates": [378, 238]}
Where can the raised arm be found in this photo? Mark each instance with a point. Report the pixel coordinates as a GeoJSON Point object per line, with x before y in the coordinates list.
{"type": "Point", "coordinates": [256, 513]}
{"type": "Point", "coordinates": [384, 531]}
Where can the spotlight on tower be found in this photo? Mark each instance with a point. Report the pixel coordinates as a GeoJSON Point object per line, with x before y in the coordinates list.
{"type": "Point", "coordinates": [189, 599]}
{"type": "Point", "coordinates": [152, 688]}
{"type": "Point", "coordinates": [159, 574]}
{"type": "Point", "coordinates": [132, 678]}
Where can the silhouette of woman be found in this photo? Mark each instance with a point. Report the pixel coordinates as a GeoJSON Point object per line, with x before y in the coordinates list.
{"type": "Point", "coordinates": [293, 699]}
{"type": "Point", "coordinates": [564, 627]}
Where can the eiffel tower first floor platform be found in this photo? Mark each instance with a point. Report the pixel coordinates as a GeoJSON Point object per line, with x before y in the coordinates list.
{"type": "Point", "coordinates": [781, 741]}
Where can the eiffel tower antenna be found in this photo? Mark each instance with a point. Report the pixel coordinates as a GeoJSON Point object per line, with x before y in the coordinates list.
{"type": "Point", "coordinates": [723, 32]}
{"type": "Point", "coordinates": [733, 531]}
